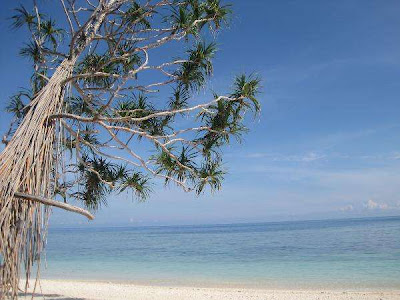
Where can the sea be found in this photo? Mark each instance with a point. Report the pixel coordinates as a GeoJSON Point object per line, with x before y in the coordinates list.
{"type": "Point", "coordinates": [349, 253]}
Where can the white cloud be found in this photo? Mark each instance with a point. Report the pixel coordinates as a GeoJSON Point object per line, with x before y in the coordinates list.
{"type": "Point", "coordinates": [315, 155]}
{"type": "Point", "coordinates": [372, 205]}
{"type": "Point", "coordinates": [383, 206]}
{"type": "Point", "coordinates": [396, 155]}
{"type": "Point", "coordinates": [312, 156]}
{"type": "Point", "coordinates": [347, 208]}
{"type": "Point", "coordinates": [307, 157]}
{"type": "Point", "coordinates": [257, 155]}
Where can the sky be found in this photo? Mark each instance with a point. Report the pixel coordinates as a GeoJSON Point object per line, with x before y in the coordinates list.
{"type": "Point", "coordinates": [327, 143]}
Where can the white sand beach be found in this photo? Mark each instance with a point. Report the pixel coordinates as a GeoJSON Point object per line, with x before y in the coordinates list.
{"type": "Point", "coordinates": [80, 290]}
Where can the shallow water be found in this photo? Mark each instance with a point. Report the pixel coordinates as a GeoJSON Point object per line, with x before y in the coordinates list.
{"type": "Point", "coordinates": [353, 253]}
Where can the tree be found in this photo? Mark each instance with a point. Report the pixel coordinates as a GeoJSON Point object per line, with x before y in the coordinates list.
{"type": "Point", "coordinates": [109, 110]}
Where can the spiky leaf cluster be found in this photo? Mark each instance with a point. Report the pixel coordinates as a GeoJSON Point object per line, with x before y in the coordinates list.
{"type": "Point", "coordinates": [132, 107]}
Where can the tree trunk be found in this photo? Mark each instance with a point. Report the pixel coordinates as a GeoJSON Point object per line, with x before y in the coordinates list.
{"type": "Point", "coordinates": [27, 166]}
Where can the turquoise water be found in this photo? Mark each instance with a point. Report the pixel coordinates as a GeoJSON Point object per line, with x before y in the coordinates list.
{"type": "Point", "coordinates": [354, 253]}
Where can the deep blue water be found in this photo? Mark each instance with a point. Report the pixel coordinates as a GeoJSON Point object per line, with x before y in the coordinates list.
{"type": "Point", "coordinates": [353, 253]}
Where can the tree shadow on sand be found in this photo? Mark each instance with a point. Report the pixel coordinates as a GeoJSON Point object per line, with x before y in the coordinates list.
{"type": "Point", "coordinates": [68, 298]}
{"type": "Point", "coordinates": [47, 296]}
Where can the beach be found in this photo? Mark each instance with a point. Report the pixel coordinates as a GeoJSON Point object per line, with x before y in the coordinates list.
{"type": "Point", "coordinates": [91, 290]}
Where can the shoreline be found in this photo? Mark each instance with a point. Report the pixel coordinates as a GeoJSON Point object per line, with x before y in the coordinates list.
{"type": "Point", "coordinates": [226, 284]}
{"type": "Point", "coordinates": [103, 290]}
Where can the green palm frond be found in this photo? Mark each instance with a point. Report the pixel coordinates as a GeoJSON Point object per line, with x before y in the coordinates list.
{"type": "Point", "coordinates": [32, 51]}
{"type": "Point", "coordinates": [17, 106]}
{"type": "Point", "coordinates": [93, 63]}
{"type": "Point", "coordinates": [220, 13]}
{"type": "Point", "coordinates": [210, 174]}
{"type": "Point", "coordinates": [138, 183]}
{"type": "Point", "coordinates": [23, 17]}
{"type": "Point", "coordinates": [135, 15]}
{"type": "Point", "coordinates": [50, 33]}
{"type": "Point", "coordinates": [247, 87]}
{"type": "Point", "coordinates": [179, 99]}
{"type": "Point", "coordinates": [193, 72]}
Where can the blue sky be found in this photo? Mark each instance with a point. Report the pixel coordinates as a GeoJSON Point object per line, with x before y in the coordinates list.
{"type": "Point", "coordinates": [327, 143]}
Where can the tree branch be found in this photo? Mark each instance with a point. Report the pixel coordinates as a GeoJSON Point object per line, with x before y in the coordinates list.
{"type": "Point", "coordinates": [54, 203]}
